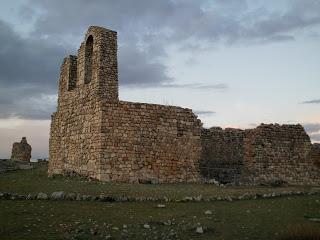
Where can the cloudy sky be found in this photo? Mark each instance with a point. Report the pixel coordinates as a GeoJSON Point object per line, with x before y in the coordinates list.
{"type": "Point", "coordinates": [237, 63]}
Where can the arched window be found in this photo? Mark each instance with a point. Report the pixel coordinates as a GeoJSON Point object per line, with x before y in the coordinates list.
{"type": "Point", "coordinates": [88, 60]}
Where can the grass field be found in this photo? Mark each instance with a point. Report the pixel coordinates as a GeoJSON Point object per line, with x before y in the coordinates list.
{"type": "Point", "coordinates": [36, 180]}
{"type": "Point", "coordinates": [250, 219]}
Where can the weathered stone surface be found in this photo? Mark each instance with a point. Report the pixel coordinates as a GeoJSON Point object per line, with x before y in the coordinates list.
{"type": "Point", "coordinates": [199, 230]}
{"type": "Point", "coordinates": [279, 152]}
{"type": "Point", "coordinates": [315, 154]}
{"type": "Point", "coordinates": [71, 196]}
{"type": "Point", "coordinates": [21, 151]}
{"type": "Point", "coordinates": [58, 195]}
{"type": "Point", "coordinates": [222, 154]}
{"type": "Point", "coordinates": [42, 196]}
{"type": "Point", "coordinates": [270, 154]}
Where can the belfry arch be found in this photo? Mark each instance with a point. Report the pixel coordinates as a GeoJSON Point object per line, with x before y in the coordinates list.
{"type": "Point", "coordinates": [88, 60]}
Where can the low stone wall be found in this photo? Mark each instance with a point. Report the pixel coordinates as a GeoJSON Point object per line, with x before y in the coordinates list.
{"type": "Point", "coordinates": [62, 196]}
{"type": "Point", "coordinates": [279, 152]}
{"type": "Point", "coordinates": [267, 154]}
{"type": "Point", "coordinates": [315, 155]}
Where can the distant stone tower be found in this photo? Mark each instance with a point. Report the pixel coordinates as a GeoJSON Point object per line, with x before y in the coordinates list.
{"type": "Point", "coordinates": [21, 151]}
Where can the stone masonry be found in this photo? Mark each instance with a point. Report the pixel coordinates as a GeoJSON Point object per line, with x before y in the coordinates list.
{"type": "Point", "coordinates": [95, 134]}
{"type": "Point", "coordinates": [222, 154]}
{"type": "Point", "coordinates": [268, 153]}
{"type": "Point", "coordinates": [21, 151]}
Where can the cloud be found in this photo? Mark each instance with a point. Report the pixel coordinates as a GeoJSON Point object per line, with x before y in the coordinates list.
{"type": "Point", "coordinates": [28, 75]}
{"type": "Point", "coordinates": [313, 130]}
{"type": "Point", "coordinates": [204, 113]}
{"type": "Point", "coordinates": [29, 66]}
{"type": "Point", "coordinates": [164, 22]}
{"type": "Point", "coordinates": [195, 86]}
{"type": "Point", "coordinates": [315, 137]}
{"type": "Point", "coordinates": [312, 127]}
{"type": "Point", "coordinates": [138, 68]}
{"type": "Point", "coordinates": [220, 86]}
{"type": "Point", "coordinates": [314, 101]}
{"type": "Point", "coordinates": [39, 106]}
{"type": "Point", "coordinates": [28, 63]}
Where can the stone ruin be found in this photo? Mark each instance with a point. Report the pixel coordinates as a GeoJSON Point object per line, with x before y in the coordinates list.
{"type": "Point", "coordinates": [21, 151]}
{"type": "Point", "coordinates": [268, 153]}
{"type": "Point", "coordinates": [95, 134]}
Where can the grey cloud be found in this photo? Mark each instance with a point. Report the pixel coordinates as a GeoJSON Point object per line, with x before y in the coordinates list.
{"type": "Point", "coordinates": [196, 86]}
{"type": "Point", "coordinates": [314, 101]}
{"type": "Point", "coordinates": [204, 113]}
{"type": "Point", "coordinates": [29, 67]}
{"type": "Point", "coordinates": [29, 72]}
{"type": "Point", "coordinates": [280, 38]}
{"type": "Point", "coordinates": [315, 137]}
{"type": "Point", "coordinates": [19, 104]}
{"type": "Point", "coordinates": [27, 63]}
{"type": "Point", "coordinates": [170, 21]}
{"type": "Point", "coordinates": [137, 69]}
{"type": "Point", "coordinates": [312, 127]}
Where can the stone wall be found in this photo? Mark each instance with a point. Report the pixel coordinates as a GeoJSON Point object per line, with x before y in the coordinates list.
{"type": "Point", "coordinates": [279, 152]}
{"type": "Point", "coordinates": [21, 151]}
{"type": "Point", "coordinates": [96, 135]}
{"type": "Point", "coordinates": [315, 155]}
{"type": "Point", "coordinates": [149, 142]}
{"type": "Point", "coordinates": [268, 153]}
{"type": "Point", "coordinates": [75, 135]}
{"type": "Point", "coordinates": [222, 154]}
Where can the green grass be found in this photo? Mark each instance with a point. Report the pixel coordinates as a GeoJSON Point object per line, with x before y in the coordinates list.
{"type": "Point", "coordinates": [36, 180]}
{"type": "Point", "coordinates": [252, 219]}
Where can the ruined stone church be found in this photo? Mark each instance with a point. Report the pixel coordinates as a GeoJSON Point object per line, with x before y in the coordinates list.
{"type": "Point", "coordinates": [95, 134]}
